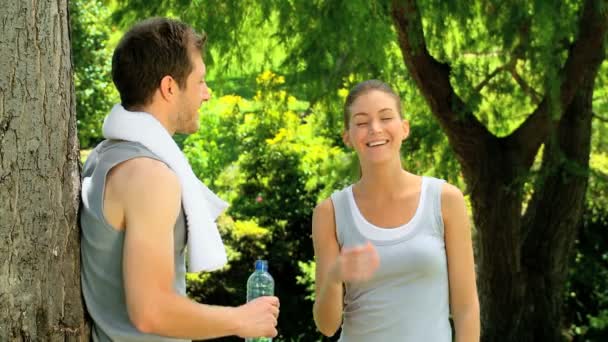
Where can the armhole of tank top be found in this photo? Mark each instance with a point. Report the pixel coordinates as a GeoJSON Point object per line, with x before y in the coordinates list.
{"type": "Point", "coordinates": [437, 191]}
{"type": "Point", "coordinates": [100, 210]}
{"type": "Point", "coordinates": [335, 201]}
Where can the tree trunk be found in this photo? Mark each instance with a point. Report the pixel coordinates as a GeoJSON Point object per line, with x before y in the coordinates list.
{"type": "Point", "coordinates": [40, 297]}
{"type": "Point", "coordinates": [523, 263]}
{"type": "Point", "coordinates": [496, 199]}
{"type": "Point", "coordinates": [551, 222]}
{"type": "Point", "coordinates": [522, 259]}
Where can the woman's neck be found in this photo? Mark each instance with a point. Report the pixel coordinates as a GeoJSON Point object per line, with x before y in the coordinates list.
{"type": "Point", "coordinates": [387, 180]}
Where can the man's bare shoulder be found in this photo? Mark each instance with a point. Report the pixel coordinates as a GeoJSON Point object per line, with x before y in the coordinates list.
{"type": "Point", "coordinates": [140, 185]}
{"type": "Point", "coordinates": [141, 172]}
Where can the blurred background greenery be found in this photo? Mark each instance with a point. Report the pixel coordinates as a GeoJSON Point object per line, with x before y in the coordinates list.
{"type": "Point", "coordinates": [270, 138]}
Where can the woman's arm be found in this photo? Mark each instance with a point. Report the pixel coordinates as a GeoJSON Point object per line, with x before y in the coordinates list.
{"type": "Point", "coordinates": [335, 266]}
{"type": "Point", "coordinates": [464, 303]}
{"type": "Point", "coordinates": [327, 310]}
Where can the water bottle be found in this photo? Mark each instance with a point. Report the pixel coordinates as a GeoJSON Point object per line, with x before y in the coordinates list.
{"type": "Point", "coordinates": [260, 283]}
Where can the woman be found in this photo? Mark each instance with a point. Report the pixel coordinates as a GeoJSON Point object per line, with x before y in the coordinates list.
{"type": "Point", "coordinates": [393, 251]}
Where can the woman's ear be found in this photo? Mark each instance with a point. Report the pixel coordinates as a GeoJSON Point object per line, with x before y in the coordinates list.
{"type": "Point", "coordinates": [346, 139]}
{"type": "Point", "coordinates": [405, 125]}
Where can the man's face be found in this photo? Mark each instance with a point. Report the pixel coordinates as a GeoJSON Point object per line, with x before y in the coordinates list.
{"type": "Point", "coordinates": [192, 96]}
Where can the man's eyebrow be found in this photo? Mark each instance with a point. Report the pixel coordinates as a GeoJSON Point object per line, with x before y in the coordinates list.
{"type": "Point", "coordinates": [386, 110]}
{"type": "Point", "coordinates": [360, 113]}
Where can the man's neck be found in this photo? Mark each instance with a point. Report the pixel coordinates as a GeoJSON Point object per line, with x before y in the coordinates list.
{"type": "Point", "coordinates": [158, 113]}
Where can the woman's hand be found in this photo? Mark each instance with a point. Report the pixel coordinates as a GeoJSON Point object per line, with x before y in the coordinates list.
{"type": "Point", "coordinates": [355, 264]}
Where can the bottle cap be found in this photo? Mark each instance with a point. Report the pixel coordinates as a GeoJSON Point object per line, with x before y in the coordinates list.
{"type": "Point", "coordinates": [261, 265]}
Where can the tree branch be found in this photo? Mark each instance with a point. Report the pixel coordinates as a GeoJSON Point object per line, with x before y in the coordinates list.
{"type": "Point", "coordinates": [510, 67]}
{"type": "Point", "coordinates": [598, 117]}
{"type": "Point", "coordinates": [550, 221]}
{"type": "Point", "coordinates": [584, 55]}
{"type": "Point", "coordinates": [536, 96]}
{"type": "Point", "coordinates": [483, 54]}
{"type": "Point", "coordinates": [493, 74]}
{"type": "Point", "coordinates": [463, 129]}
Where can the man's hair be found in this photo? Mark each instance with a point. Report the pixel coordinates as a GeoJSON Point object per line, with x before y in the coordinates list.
{"type": "Point", "coordinates": [364, 88]}
{"type": "Point", "coordinates": [149, 51]}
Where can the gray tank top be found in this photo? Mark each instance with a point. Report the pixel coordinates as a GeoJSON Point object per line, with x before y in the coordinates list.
{"type": "Point", "coordinates": [407, 299]}
{"type": "Point", "coordinates": [102, 249]}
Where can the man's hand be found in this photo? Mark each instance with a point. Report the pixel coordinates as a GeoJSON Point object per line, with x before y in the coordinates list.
{"type": "Point", "coordinates": [259, 317]}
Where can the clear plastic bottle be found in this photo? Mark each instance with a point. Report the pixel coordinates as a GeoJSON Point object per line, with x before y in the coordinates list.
{"type": "Point", "coordinates": [260, 283]}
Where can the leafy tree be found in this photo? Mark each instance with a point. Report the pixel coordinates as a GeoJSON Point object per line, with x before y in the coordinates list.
{"type": "Point", "coordinates": [519, 256]}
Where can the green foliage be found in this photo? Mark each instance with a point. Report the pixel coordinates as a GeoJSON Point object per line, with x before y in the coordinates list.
{"type": "Point", "coordinates": [261, 156]}
{"type": "Point", "coordinates": [316, 43]}
{"type": "Point", "coordinates": [599, 142]}
{"type": "Point", "coordinates": [597, 193]}
{"type": "Point", "coordinates": [274, 159]}
{"type": "Point", "coordinates": [323, 51]}
{"type": "Point", "coordinates": [504, 55]}
{"type": "Point", "coordinates": [307, 278]}
{"type": "Point", "coordinates": [95, 93]}
{"type": "Point", "coordinates": [245, 241]}
{"type": "Point", "coordinates": [215, 145]}
{"type": "Point", "coordinates": [587, 296]}
{"type": "Point", "coordinates": [586, 304]}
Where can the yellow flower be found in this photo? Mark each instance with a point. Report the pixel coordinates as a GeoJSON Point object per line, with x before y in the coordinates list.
{"type": "Point", "coordinates": [277, 138]}
{"type": "Point", "coordinates": [265, 77]}
{"type": "Point", "coordinates": [231, 99]}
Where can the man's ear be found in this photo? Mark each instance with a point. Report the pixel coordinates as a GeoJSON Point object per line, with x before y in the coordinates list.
{"type": "Point", "coordinates": [167, 87]}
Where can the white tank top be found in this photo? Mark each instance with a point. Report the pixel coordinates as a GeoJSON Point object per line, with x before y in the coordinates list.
{"type": "Point", "coordinates": [408, 297]}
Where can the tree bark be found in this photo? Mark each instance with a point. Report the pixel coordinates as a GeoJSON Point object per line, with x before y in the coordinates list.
{"type": "Point", "coordinates": [522, 259]}
{"type": "Point", "coordinates": [550, 223]}
{"type": "Point", "coordinates": [40, 296]}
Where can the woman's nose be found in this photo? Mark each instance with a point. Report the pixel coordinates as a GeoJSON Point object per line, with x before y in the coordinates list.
{"type": "Point", "coordinates": [206, 93]}
{"type": "Point", "coordinates": [374, 126]}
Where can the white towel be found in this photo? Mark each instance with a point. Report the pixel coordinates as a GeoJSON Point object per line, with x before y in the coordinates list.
{"type": "Point", "coordinates": [206, 251]}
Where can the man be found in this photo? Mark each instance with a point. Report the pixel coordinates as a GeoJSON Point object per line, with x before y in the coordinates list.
{"type": "Point", "coordinates": [134, 218]}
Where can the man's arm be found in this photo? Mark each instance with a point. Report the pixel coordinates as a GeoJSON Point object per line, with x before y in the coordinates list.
{"type": "Point", "coordinates": [151, 198]}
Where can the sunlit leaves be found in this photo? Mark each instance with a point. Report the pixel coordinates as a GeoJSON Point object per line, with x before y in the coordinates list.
{"type": "Point", "coordinates": [95, 93]}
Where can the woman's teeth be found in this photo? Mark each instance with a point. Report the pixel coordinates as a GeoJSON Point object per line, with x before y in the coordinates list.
{"type": "Point", "coordinates": [377, 143]}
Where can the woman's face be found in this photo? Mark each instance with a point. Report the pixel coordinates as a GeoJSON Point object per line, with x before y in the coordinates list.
{"type": "Point", "coordinates": [375, 130]}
